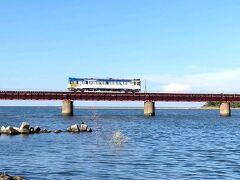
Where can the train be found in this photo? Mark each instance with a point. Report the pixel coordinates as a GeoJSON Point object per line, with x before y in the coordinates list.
{"type": "Point", "coordinates": [104, 85]}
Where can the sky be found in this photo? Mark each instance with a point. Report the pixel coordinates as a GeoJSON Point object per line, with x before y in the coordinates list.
{"type": "Point", "coordinates": [187, 45]}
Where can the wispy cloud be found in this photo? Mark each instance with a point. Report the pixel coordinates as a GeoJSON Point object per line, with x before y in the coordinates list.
{"type": "Point", "coordinates": [227, 80]}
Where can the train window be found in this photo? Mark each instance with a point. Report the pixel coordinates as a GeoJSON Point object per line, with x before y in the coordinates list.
{"type": "Point", "coordinates": [107, 82]}
{"type": "Point", "coordinates": [138, 83]}
{"type": "Point", "coordinates": [86, 82]}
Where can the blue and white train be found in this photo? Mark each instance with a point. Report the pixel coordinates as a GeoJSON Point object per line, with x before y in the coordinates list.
{"type": "Point", "coordinates": [104, 85]}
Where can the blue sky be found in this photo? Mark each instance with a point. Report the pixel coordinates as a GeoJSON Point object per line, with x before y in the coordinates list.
{"type": "Point", "coordinates": [187, 45]}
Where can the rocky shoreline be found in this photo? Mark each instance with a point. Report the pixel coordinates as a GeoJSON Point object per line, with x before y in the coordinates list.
{"type": "Point", "coordinates": [26, 129]}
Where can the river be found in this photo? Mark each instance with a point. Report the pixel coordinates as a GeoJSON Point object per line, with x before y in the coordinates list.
{"type": "Point", "coordinates": [175, 144]}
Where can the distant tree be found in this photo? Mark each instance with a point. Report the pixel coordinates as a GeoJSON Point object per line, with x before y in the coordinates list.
{"type": "Point", "coordinates": [217, 105]}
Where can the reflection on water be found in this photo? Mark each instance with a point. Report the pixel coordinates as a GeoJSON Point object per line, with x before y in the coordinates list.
{"type": "Point", "coordinates": [176, 144]}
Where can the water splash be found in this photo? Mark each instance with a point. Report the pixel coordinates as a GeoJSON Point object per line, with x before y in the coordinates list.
{"type": "Point", "coordinates": [118, 138]}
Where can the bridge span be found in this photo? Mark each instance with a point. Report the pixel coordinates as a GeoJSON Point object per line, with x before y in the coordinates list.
{"type": "Point", "coordinates": [149, 99]}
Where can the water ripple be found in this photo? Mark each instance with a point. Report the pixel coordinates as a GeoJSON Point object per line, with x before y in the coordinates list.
{"type": "Point", "coordinates": [176, 144]}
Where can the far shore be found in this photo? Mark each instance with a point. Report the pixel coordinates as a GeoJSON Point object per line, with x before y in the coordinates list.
{"type": "Point", "coordinates": [159, 108]}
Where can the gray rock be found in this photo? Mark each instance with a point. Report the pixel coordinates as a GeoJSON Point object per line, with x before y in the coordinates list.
{"type": "Point", "coordinates": [31, 130]}
{"type": "Point", "coordinates": [83, 127]}
{"type": "Point", "coordinates": [58, 131]}
{"type": "Point", "coordinates": [37, 129]}
{"type": "Point", "coordinates": [69, 129]}
{"type": "Point", "coordinates": [9, 130]}
{"type": "Point", "coordinates": [4, 176]}
{"type": "Point", "coordinates": [45, 131]}
{"type": "Point", "coordinates": [89, 129]}
{"type": "Point", "coordinates": [75, 128]}
{"type": "Point", "coordinates": [18, 178]}
{"type": "Point", "coordinates": [24, 128]}
{"type": "Point", "coordinates": [16, 129]}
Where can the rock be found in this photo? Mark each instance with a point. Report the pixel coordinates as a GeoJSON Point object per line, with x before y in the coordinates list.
{"type": "Point", "coordinates": [9, 130]}
{"type": "Point", "coordinates": [89, 129]}
{"type": "Point", "coordinates": [69, 129]}
{"type": "Point", "coordinates": [58, 131]}
{"type": "Point", "coordinates": [18, 178]}
{"type": "Point", "coordinates": [45, 131]}
{"type": "Point", "coordinates": [37, 129]}
{"type": "Point", "coordinates": [3, 128]}
{"type": "Point", "coordinates": [24, 128]}
{"type": "Point", "coordinates": [75, 128]}
{"type": "Point", "coordinates": [83, 127]}
{"type": "Point", "coordinates": [16, 129]}
{"type": "Point", "coordinates": [4, 176]}
{"type": "Point", "coordinates": [31, 130]}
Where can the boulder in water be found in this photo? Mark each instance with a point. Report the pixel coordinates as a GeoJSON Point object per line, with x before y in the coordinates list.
{"type": "Point", "coordinates": [5, 176]}
{"type": "Point", "coordinates": [24, 128]}
{"type": "Point", "coordinates": [9, 130]}
{"type": "Point", "coordinates": [31, 130]}
{"type": "Point", "coordinates": [89, 129]}
{"type": "Point", "coordinates": [58, 131]}
{"type": "Point", "coordinates": [37, 129]}
{"type": "Point", "coordinates": [74, 128]}
{"type": "Point", "coordinates": [45, 131]}
{"type": "Point", "coordinates": [83, 127]}
{"type": "Point", "coordinates": [69, 129]}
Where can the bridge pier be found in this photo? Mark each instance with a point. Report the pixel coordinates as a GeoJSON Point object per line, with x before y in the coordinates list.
{"type": "Point", "coordinates": [149, 108]}
{"type": "Point", "coordinates": [67, 108]}
{"type": "Point", "coordinates": [225, 109]}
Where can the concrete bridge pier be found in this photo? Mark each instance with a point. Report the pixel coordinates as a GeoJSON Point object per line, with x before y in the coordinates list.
{"type": "Point", "coordinates": [225, 109]}
{"type": "Point", "coordinates": [149, 108]}
{"type": "Point", "coordinates": [67, 108]}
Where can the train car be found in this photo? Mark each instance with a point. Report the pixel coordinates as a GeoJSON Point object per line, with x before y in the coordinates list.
{"type": "Point", "coordinates": [104, 85]}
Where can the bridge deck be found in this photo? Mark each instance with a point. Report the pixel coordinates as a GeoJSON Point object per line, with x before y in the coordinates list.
{"type": "Point", "coordinates": [90, 96]}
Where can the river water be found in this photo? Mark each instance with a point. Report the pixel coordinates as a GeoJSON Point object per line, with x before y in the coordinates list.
{"type": "Point", "coordinates": [175, 144]}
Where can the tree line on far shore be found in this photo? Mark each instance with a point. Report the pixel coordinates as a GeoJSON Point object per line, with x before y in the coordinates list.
{"type": "Point", "coordinates": [217, 105]}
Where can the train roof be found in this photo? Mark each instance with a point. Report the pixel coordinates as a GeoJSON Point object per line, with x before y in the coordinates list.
{"type": "Point", "coordinates": [101, 79]}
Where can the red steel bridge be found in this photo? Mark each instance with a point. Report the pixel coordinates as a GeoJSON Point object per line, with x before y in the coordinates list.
{"type": "Point", "coordinates": [91, 96]}
{"type": "Point", "coordinates": [149, 99]}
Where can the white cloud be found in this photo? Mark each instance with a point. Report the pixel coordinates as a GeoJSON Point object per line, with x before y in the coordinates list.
{"type": "Point", "coordinates": [219, 81]}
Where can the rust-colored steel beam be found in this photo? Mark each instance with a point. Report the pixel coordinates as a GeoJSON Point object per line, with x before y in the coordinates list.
{"type": "Point", "coordinates": [90, 96]}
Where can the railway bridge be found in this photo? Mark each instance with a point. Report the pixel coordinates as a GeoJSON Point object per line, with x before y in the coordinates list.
{"type": "Point", "coordinates": [149, 99]}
